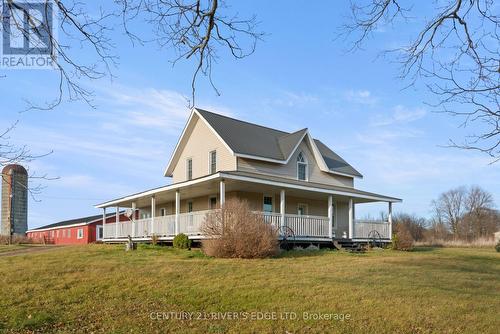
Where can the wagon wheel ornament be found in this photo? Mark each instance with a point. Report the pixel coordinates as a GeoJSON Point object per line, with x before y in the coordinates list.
{"type": "Point", "coordinates": [375, 239]}
{"type": "Point", "coordinates": [287, 240]}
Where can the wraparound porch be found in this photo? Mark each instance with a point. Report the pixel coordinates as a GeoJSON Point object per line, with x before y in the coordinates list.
{"type": "Point", "coordinates": [313, 212]}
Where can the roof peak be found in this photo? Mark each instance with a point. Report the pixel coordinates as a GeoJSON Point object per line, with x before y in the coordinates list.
{"type": "Point", "coordinates": [247, 122]}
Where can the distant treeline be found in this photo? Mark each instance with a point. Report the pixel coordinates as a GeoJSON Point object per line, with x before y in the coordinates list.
{"type": "Point", "coordinates": [463, 213]}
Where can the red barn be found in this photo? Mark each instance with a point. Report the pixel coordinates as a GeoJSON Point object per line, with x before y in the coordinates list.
{"type": "Point", "coordinates": [75, 231]}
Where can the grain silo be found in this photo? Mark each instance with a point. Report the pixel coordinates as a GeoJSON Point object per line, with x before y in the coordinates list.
{"type": "Point", "coordinates": [14, 200]}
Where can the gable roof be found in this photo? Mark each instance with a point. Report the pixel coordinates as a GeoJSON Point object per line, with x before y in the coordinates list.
{"type": "Point", "coordinates": [77, 221]}
{"type": "Point", "coordinates": [248, 140]}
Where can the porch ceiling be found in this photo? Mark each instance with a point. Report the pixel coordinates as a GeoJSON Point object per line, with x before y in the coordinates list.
{"type": "Point", "coordinates": [248, 182]}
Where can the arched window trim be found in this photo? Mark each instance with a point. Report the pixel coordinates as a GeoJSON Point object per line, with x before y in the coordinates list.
{"type": "Point", "coordinates": [302, 160]}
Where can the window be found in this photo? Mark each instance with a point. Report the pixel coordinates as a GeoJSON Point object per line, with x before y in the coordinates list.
{"type": "Point", "coordinates": [57, 234]}
{"type": "Point", "coordinates": [163, 212]}
{"type": "Point", "coordinates": [212, 160]}
{"type": "Point", "coordinates": [302, 209]}
{"type": "Point", "coordinates": [69, 233]}
{"type": "Point", "coordinates": [189, 169]}
{"type": "Point", "coordinates": [301, 167]}
{"type": "Point", "coordinates": [190, 207]}
{"type": "Point", "coordinates": [64, 233]}
{"type": "Point", "coordinates": [212, 204]}
{"type": "Point", "coordinates": [79, 234]}
{"type": "Point", "coordinates": [268, 204]}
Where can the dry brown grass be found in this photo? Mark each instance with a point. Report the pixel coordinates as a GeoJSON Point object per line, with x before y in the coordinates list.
{"type": "Point", "coordinates": [477, 243]}
{"type": "Point", "coordinates": [16, 240]}
{"type": "Point", "coordinates": [236, 232]}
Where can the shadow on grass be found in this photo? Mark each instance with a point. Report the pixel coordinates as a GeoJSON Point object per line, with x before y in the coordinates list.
{"type": "Point", "coordinates": [303, 253]}
{"type": "Point", "coordinates": [425, 248]}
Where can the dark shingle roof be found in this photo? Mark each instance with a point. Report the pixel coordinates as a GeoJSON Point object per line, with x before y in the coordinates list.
{"type": "Point", "coordinates": [334, 161]}
{"type": "Point", "coordinates": [252, 139]}
{"type": "Point", "coordinates": [73, 221]}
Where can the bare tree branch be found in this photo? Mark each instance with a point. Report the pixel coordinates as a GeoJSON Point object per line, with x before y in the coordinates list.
{"type": "Point", "coordinates": [456, 54]}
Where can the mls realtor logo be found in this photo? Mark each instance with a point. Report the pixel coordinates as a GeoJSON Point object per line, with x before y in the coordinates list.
{"type": "Point", "coordinates": [28, 34]}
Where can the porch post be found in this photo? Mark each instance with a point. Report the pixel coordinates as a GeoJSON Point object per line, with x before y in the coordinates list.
{"type": "Point", "coordinates": [153, 213]}
{"type": "Point", "coordinates": [222, 193]}
{"type": "Point", "coordinates": [330, 216]}
{"type": "Point", "coordinates": [351, 218]}
{"type": "Point", "coordinates": [389, 218]}
{"type": "Point", "coordinates": [283, 207]}
{"type": "Point", "coordinates": [103, 222]}
{"type": "Point", "coordinates": [117, 221]}
{"type": "Point", "coordinates": [133, 219]}
{"type": "Point", "coordinates": [177, 210]}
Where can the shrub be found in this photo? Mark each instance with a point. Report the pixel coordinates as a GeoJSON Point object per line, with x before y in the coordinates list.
{"type": "Point", "coordinates": [182, 241]}
{"type": "Point", "coordinates": [402, 239]}
{"type": "Point", "coordinates": [497, 246]}
{"type": "Point", "coordinates": [235, 231]}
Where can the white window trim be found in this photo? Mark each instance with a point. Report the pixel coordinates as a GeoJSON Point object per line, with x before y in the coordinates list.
{"type": "Point", "coordinates": [306, 207]}
{"type": "Point", "coordinates": [97, 232]}
{"type": "Point", "coordinates": [187, 206]}
{"type": "Point", "coordinates": [306, 163]}
{"type": "Point", "coordinates": [210, 161]}
{"type": "Point", "coordinates": [272, 202]}
{"type": "Point", "coordinates": [187, 168]}
{"type": "Point", "coordinates": [164, 212]}
{"type": "Point", "coordinates": [78, 236]}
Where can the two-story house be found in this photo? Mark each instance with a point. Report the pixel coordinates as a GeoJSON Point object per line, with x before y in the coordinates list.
{"type": "Point", "coordinates": [292, 179]}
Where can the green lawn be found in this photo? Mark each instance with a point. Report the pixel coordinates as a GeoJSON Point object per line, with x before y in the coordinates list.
{"type": "Point", "coordinates": [101, 288]}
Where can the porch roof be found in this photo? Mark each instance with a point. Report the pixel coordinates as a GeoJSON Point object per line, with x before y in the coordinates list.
{"type": "Point", "coordinates": [210, 182]}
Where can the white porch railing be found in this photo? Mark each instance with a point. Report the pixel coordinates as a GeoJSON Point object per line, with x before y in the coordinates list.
{"type": "Point", "coordinates": [365, 228]}
{"type": "Point", "coordinates": [191, 223]}
{"type": "Point", "coordinates": [308, 226]}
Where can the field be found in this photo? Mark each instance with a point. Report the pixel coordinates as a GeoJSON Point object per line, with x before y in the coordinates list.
{"type": "Point", "coordinates": [101, 288]}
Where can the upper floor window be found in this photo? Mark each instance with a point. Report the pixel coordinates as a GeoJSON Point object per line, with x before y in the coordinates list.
{"type": "Point", "coordinates": [212, 160]}
{"type": "Point", "coordinates": [301, 167]}
{"type": "Point", "coordinates": [189, 169]}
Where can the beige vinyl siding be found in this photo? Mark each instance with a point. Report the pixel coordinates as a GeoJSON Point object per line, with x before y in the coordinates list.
{"type": "Point", "coordinates": [290, 170]}
{"type": "Point", "coordinates": [200, 141]}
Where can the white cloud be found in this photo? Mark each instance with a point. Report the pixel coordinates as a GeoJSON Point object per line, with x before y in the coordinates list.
{"type": "Point", "coordinates": [292, 99]}
{"type": "Point", "coordinates": [399, 115]}
{"type": "Point", "coordinates": [360, 96]}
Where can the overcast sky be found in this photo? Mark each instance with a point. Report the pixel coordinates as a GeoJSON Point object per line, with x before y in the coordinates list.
{"type": "Point", "coordinates": [300, 76]}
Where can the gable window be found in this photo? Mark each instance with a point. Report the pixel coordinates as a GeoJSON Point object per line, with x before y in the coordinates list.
{"type": "Point", "coordinates": [189, 169]}
{"type": "Point", "coordinates": [79, 234]}
{"type": "Point", "coordinates": [301, 167]}
{"type": "Point", "coordinates": [212, 160]}
{"type": "Point", "coordinates": [268, 204]}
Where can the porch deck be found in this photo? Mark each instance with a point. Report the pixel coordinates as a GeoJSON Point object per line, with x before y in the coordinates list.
{"type": "Point", "coordinates": [304, 227]}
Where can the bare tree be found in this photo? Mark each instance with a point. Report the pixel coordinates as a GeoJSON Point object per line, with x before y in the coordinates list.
{"type": "Point", "coordinates": [467, 212]}
{"type": "Point", "coordinates": [12, 154]}
{"type": "Point", "coordinates": [450, 208]}
{"type": "Point", "coordinates": [193, 29]}
{"type": "Point", "coordinates": [456, 54]}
